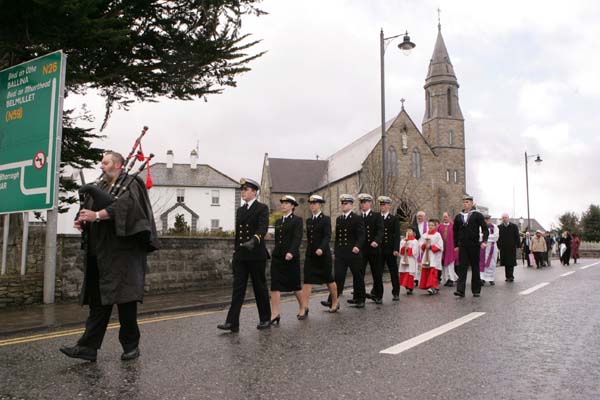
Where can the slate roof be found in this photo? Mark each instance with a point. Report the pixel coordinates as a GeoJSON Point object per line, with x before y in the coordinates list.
{"type": "Point", "coordinates": [183, 175]}
{"type": "Point", "coordinates": [295, 176]}
{"type": "Point", "coordinates": [535, 225]}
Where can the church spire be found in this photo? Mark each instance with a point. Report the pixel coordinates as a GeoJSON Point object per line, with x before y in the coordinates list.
{"type": "Point", "coordinates": [440, 67]}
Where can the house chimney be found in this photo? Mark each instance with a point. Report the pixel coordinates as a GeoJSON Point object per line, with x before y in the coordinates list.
{"type": "Point", "coordinates": [169, 159]}
{"type": "Point", "coordinates": [194, 159]}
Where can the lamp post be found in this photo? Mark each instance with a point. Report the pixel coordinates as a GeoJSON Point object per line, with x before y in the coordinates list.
{"type": "Point", "coordinates": [406, 46]}
{"type": "Point", "coordinates": [538, 160]}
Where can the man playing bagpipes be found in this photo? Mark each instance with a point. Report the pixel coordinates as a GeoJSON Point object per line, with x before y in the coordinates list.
{"type": "Point", "coordinates": [116, 216]}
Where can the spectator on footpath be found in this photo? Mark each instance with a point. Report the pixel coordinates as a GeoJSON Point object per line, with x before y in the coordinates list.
{"type": "Point", "coordinates": [565, 247]}
{"type": "Point", "coordinates": [575, 248]}
{"type": "Point", "coordinates": [538, 248]}
{"type": "Point", "coordinates": [525, 249]}
{"type": "Point", "coordinates": [549, 246]}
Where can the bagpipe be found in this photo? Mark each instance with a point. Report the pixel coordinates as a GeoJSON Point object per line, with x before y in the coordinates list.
{"type": "Point", "coordinates": [103, 198]}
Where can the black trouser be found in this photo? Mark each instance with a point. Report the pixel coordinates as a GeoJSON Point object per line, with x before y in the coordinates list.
{"type": "Point", "coordinates": [539, 258]}
{"type": "Point", "coordinates": [99, 316]}
{"type": "Point", "coordinates": [374, 260]}
{"type": "Point", "coordinates": [469, 256]}
{"type": "Point", "coordinates": [525, 256]}
{"type": "Point", "coordinates": [566, 257]}
{"type": "Point", "coordinates": [256, 271]}
{"type": "Point", "coordinates": [391, 261]}
{"type": "Point", "coordinates": [509, 271]}
{"type": "Point", "coordinates": [340, 267]}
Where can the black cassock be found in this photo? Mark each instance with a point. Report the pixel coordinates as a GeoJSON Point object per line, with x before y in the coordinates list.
{"type": "Point", "coordinates": [120, 246]}
{"type": "Point", "coordinates": [508, 243]}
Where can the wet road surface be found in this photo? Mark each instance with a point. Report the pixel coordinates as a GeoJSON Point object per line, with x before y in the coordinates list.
{"type": "Point", "coordinates": [531, 341]}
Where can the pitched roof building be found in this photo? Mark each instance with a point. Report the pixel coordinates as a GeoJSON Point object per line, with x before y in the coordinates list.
{"type": "Point", "coordinates": [426, 167]}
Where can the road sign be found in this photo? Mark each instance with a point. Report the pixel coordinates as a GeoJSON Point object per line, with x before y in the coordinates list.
{"type": "Point", "coordinates": [31, 96]}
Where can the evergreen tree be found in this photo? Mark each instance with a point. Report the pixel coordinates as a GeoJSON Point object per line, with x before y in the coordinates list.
{"type": "Point", "coordinates": [180, 226]}
{"type": "Point", "coordinates": [129, 51]}
{"type": "Point", "coordinates": [590, 222]}
{"type": "Point", "coordinates": [569, 222]}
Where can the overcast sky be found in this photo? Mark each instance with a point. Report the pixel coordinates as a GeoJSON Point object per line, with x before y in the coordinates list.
{"type": "Point", "coordinates": [528, 75]}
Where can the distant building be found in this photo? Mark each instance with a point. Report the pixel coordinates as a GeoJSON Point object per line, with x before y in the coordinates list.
{"type": "Point", "coordinates": [522, 224]}
{"type": "Point", "coordinates": [206, 197]}
{"type": "Point", "coordinates": [426, 168]}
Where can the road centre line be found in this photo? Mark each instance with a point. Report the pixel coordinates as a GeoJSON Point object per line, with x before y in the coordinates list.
{"type": "Point", "coordinates": [417, 340]}
{"type": "Point", "coordinates": [534, 288]}
{"type": "Point", "coordinates": [589, 265]}
{"type": "Point", "coordinates": [53, 335]}
{"type": "Point", "coordinates": [568, 273]}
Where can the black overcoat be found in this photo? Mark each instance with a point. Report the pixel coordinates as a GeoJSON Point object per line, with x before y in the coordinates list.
{"type": "Point", "coordinates": [508, 243]}
{"type": "Point", "coordinates": [120, 245]}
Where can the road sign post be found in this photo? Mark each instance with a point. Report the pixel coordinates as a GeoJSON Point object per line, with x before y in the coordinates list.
{"type": "Point", "coordinates": [31, 104]}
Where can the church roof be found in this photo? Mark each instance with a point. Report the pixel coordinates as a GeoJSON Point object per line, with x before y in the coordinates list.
{"type": "Point", "coordinates": [440, 66]}
{"type": "Point", "coordinates": [184, 176]}
{"type": "Point", "coordinates": [349, 159]}
{"type": "Point", "coordinates": [295, 176]}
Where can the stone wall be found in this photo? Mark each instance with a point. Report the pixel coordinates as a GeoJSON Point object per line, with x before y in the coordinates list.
{"type": "Point", "coordinates": [182, 263]}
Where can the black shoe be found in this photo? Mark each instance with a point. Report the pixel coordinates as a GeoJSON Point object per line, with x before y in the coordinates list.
{"type": "Point", "coordinates": [449, 283]}
{"type": "Point", "coordinates": [511, 280]}
{"type": "Point", "coordinates": [228, 327]}
{"type": "Point", "coordinates": [492, 283]}
{"type": "Point", "coordinates": [378, 300]}
{"type": "Point", "coordinates": [396, 298]}
{"type": "Point", "coordinates": [301, 317]}
{"type": "Point", "coordinates": [359, 304]}
{"type": "Point", "coordinates": [482, 283]}
{"type": "Point", "coordinates": [416, 282]}
{"type": "Point", "coordinates": [476, 295]}
{"type": "Point", "coordinates": [275, 320]}
{"type": "Point", "coordinates": [325, 303]}
{"type": "Point", "coordinates": [334, 310]}
{"type": "Point", "coordinates": [266, 324]}
{"type": "Point", "coordinates": [370, 296]}
{"type": "Point", "coordinates": [459, 294]}
{"type": "Point", "coordinates": [130, 355]}
{"type": "Point", "coordinates": [351, 301]}
{"type": "Point", "coordinates": [409, 291]}
{"type": "Point", "coordinates": [82, 352]}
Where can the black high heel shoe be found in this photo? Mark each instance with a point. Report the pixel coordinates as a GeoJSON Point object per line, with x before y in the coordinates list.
{"type": "Point", "coordinates": [301, 317]}
{"type": "Point", "coordinates": [275, 320]}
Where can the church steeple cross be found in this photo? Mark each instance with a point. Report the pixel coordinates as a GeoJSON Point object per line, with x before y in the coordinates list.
{"type": "Point", "coordinates": [439, 19]}
{"type": "Point", "coordinates": [402, 101]}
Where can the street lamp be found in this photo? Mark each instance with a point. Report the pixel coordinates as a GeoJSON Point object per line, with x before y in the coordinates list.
{"type": "Point", "coordinates": [406, 46]}
{"type": "Point", "coordinates": [537, 160]}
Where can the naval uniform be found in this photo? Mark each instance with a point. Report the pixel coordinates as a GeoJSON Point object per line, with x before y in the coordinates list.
{"type": "Point", "coordinates": [390, 244]}
{"type": "Point", "coordinates": [372, 255]}
{"type": "Point", "coordinates": [251, 223]}
{"type": "Point", "coordinates": [349, 233]}
{"type": "Point", "coordinates": [285, 275]}
{"type": "Point", "coordinates": [317, 269]}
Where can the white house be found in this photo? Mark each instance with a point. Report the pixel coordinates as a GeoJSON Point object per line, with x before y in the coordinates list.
{"type": "Point", "coordinates": [206, 197]}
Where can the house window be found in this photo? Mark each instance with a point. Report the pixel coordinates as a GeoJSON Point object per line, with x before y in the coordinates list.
{"type": "Point", "coordinates": [180, 195]}
{"type": "Point", "coordinates": [215, 198]}
{"type": "Point", "coordinates": [455, 176]}
{"type": "Point", "coordinates": [449, 97]}
{"type": "Point", "coordinates": [451, 138]}
{"type": "Point", "coordinates": [392, 161]}
{"type": "Point", "coordinates": [447, 176]}
{"type": "Point", "coordinates": [416, 164]}
{"type": "Point", "coordinates": [214, 224]}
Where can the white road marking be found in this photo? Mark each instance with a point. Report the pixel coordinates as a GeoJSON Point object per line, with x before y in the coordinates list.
{"type": "Point", "coordinates": [417, 340]}
{"type": "Point", "coordinates": [533, 289]}
{"type": "Point", "coordinates": [568, 273]}
{"type": "Point", "coordinates": [590, 265]}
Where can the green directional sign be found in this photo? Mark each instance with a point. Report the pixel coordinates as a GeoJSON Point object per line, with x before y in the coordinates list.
{"type": "Point", "coordinates": [31, 96]}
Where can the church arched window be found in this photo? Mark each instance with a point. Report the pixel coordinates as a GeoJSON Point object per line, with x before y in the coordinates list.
{"type": "Point", "coordinates": [416, 164]}
{"type": "Point", "coordinates": [428, 103]}
{"type": "Point", "coordinates": [455, 176]}
{"type": "Point", "coordinates": [392, 161]}
{"type": "Point", "coordinates": [451, 138]}
{"type": "Point", "coordinates": [447, 176]}
{"type": "Point", "coordinates": [449, 97]}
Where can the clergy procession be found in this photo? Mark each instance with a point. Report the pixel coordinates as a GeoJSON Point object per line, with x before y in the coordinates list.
{"type": "Point", "coordinates": [423, 256]}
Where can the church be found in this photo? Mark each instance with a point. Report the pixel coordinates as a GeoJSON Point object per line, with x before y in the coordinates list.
{"type": "Point", "coordinates": [425, 167]}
